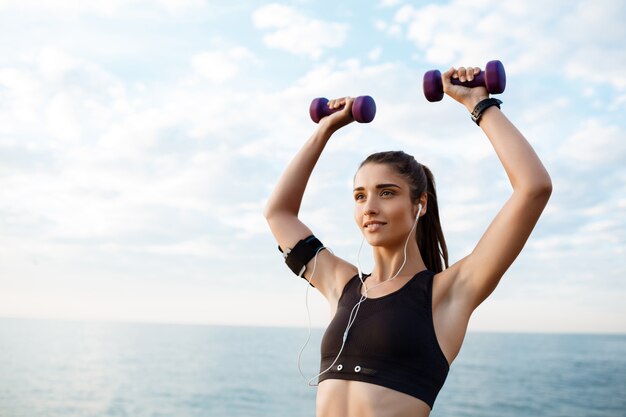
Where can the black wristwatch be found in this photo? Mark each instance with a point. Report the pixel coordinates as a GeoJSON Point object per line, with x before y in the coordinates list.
{"type": "Point", "coordinates": [482, 106]}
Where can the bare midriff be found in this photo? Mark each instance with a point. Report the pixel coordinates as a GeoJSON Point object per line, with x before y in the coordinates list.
{"type": "Point", "coordinates": [340, 398]}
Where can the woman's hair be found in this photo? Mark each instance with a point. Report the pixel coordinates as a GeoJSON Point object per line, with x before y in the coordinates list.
{"type": "Point", "coordinates": [429, 236]}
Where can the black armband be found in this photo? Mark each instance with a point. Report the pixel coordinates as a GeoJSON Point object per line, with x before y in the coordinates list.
{"type": "Point", "coordinates": [297, 258]}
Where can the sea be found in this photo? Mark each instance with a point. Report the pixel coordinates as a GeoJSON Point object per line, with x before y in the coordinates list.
{"type": "Point", "coordinates": [70, 368]}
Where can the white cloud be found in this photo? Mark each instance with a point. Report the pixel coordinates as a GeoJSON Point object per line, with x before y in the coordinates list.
{"type": "Point", "coordinates": [294, 32]}
{"type": "Point", "coordinates": [107, 8]}
{"type": "Point", "coordinates": [111, 168]}
{"type": "Point", "coordinates": [389, 3]}
{"type": "Point", "coordinates": [246, 217]}
{"type": "Point", "coordinates": [619, 103]}
{"type": "Point", "coordinates": [62, 118]}
{"type": "Point", "coordinates": [23, 92]}
{"type": "Point", "coordinates": [523, 38]}
{"type": "Point", "coordinates": [201, 247]}
{"type": "Point", "coordinates": [374, 54]}
{"type": "Point", "coordinates": [595, 143]}
{"type": "Point", "coordinates": [220, 66]}
{"type": "Point", "coordinates": [380, 24]}
{"type": "Point", "coordinates": [114, 176]}
{"type": "Point", "coordinates": [404, 15]}
{"type": "Point", "coordinates": [54, 63]}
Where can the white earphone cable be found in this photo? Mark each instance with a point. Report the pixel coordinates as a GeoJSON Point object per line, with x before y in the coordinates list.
{"type": "Point", "coordinates": [353, 313]}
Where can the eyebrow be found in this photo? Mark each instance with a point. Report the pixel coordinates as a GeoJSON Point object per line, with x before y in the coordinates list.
{"type": "Point", "coordinates": [379, 186]}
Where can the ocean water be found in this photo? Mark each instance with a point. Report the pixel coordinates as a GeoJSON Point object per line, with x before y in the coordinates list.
{"type": "Point", "coordinates": [58, 368]}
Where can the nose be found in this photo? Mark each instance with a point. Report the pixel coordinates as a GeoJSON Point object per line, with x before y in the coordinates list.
{"type": "Point", "coordinates": [369, 209]}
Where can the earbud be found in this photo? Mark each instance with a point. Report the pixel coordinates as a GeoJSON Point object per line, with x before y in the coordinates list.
{"type": "Point", "coordinates": [419, 210]}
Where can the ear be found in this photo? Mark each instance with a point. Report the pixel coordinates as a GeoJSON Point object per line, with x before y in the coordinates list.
{"type": "Point", "coordinates": [424, 202]}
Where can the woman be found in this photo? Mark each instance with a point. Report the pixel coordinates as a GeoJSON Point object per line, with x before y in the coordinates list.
{"type": "Point", "coordinates": [395, 332]}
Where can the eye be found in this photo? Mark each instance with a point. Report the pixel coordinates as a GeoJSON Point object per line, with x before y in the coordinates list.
{"type": "Point", "coordinates": [359, 196]}
{"type": "Point", "coordinates": [386, 193]}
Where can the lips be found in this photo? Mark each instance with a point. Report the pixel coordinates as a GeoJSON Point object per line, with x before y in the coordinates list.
{"type": "Point", "coordinates": [373, 225]}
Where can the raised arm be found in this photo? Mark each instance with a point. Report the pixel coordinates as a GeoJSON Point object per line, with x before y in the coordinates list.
{"type": "Point", "coordinates": [284, 203]}
{"type": "Point", "coordinates": [480, 272]}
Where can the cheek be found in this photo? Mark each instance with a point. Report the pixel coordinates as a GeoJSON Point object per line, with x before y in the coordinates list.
{"type": "Point", "coordinates": [402, 215]}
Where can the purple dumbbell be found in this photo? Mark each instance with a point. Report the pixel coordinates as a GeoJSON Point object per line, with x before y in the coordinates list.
{"type": "Point", "coordinates": [493, 78]}
{"type": "Point", "coordinates": [363, 109]}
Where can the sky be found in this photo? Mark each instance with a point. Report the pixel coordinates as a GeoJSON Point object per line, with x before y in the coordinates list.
{"type": "Point", "coordinates": [140, 141]}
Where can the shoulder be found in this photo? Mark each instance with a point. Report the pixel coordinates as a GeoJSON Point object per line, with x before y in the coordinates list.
{"type": "Point", "coordinates": [330, 274]}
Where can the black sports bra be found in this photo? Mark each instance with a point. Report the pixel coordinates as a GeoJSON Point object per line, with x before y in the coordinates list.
{"type": "Point", "coordinates": [392, 343]}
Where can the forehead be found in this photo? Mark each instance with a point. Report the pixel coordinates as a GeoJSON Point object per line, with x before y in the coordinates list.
{"type": "Point", "coordinates": [372, 174]}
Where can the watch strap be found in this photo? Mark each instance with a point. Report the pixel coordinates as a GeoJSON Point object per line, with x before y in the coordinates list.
{"type": "Point", "coordinates": [482, 106]}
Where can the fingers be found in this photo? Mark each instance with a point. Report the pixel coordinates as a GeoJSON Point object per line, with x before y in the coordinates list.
{"type": "Point", "coordinates": [471, 72]}
{"type": "Point", "coordinates": [456, 81]}
{"type": "Point", "coordinates": [339, 102]}
{"type": "Point", "coordinates": [463, 74]}
{"type": "Point", "coordinates": [339, 114]}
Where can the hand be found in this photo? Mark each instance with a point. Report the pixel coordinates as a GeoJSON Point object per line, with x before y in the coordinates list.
{"type": "Point", "coordinates": [469, 97]}
{"type": "Point", "coordinates": [341, 117]}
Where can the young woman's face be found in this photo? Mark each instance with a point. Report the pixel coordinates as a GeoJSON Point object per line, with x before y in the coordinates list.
{"type": "Point", "coordinates": [383, 209]}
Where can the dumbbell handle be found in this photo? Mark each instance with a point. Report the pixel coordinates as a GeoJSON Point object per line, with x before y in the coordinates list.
{"type": "Point", "coordinates": [478, 81]}
{"type": "Point", "coordinates": [363, 109]}
{"type": "Point", "coordinates": [493, 78]}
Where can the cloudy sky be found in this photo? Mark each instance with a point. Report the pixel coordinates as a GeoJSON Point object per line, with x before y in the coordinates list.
{"type": "Point", "coordinates": [140, 140]}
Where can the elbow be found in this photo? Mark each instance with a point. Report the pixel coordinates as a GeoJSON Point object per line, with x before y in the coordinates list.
{"type": "Point", "coordinates": [548, 188]}
{"type": "Point", "coordinates": [267, 212]}
{"type": "Point", "coordinates": [540, 190]}
{"type": "Point", "coordinates": [274, 209]}
{"type": "Point", "coordinates": [270, 212]}
{"type": "Point", "coordinates": [545, 187]}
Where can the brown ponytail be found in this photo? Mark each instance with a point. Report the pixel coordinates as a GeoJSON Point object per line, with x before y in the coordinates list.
{"type": "Point", "coordinates": [429, 235]}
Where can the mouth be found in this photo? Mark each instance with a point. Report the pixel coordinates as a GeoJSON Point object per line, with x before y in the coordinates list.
{"type": "Point", "coordinates": [373, 225]}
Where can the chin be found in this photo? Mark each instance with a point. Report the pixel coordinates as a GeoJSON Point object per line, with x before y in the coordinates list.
{"type": "Point", "coordinates": [380, 240]}
{"type": "Point", "coordinates": [375, 240]}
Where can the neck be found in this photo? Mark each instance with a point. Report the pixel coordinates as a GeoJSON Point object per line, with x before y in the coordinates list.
{"type": "Point", "coordinates": [389, 260]}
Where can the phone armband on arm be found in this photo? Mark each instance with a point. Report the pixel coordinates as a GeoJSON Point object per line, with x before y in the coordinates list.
{"type": "Point", "coordinates": [305, 250]}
